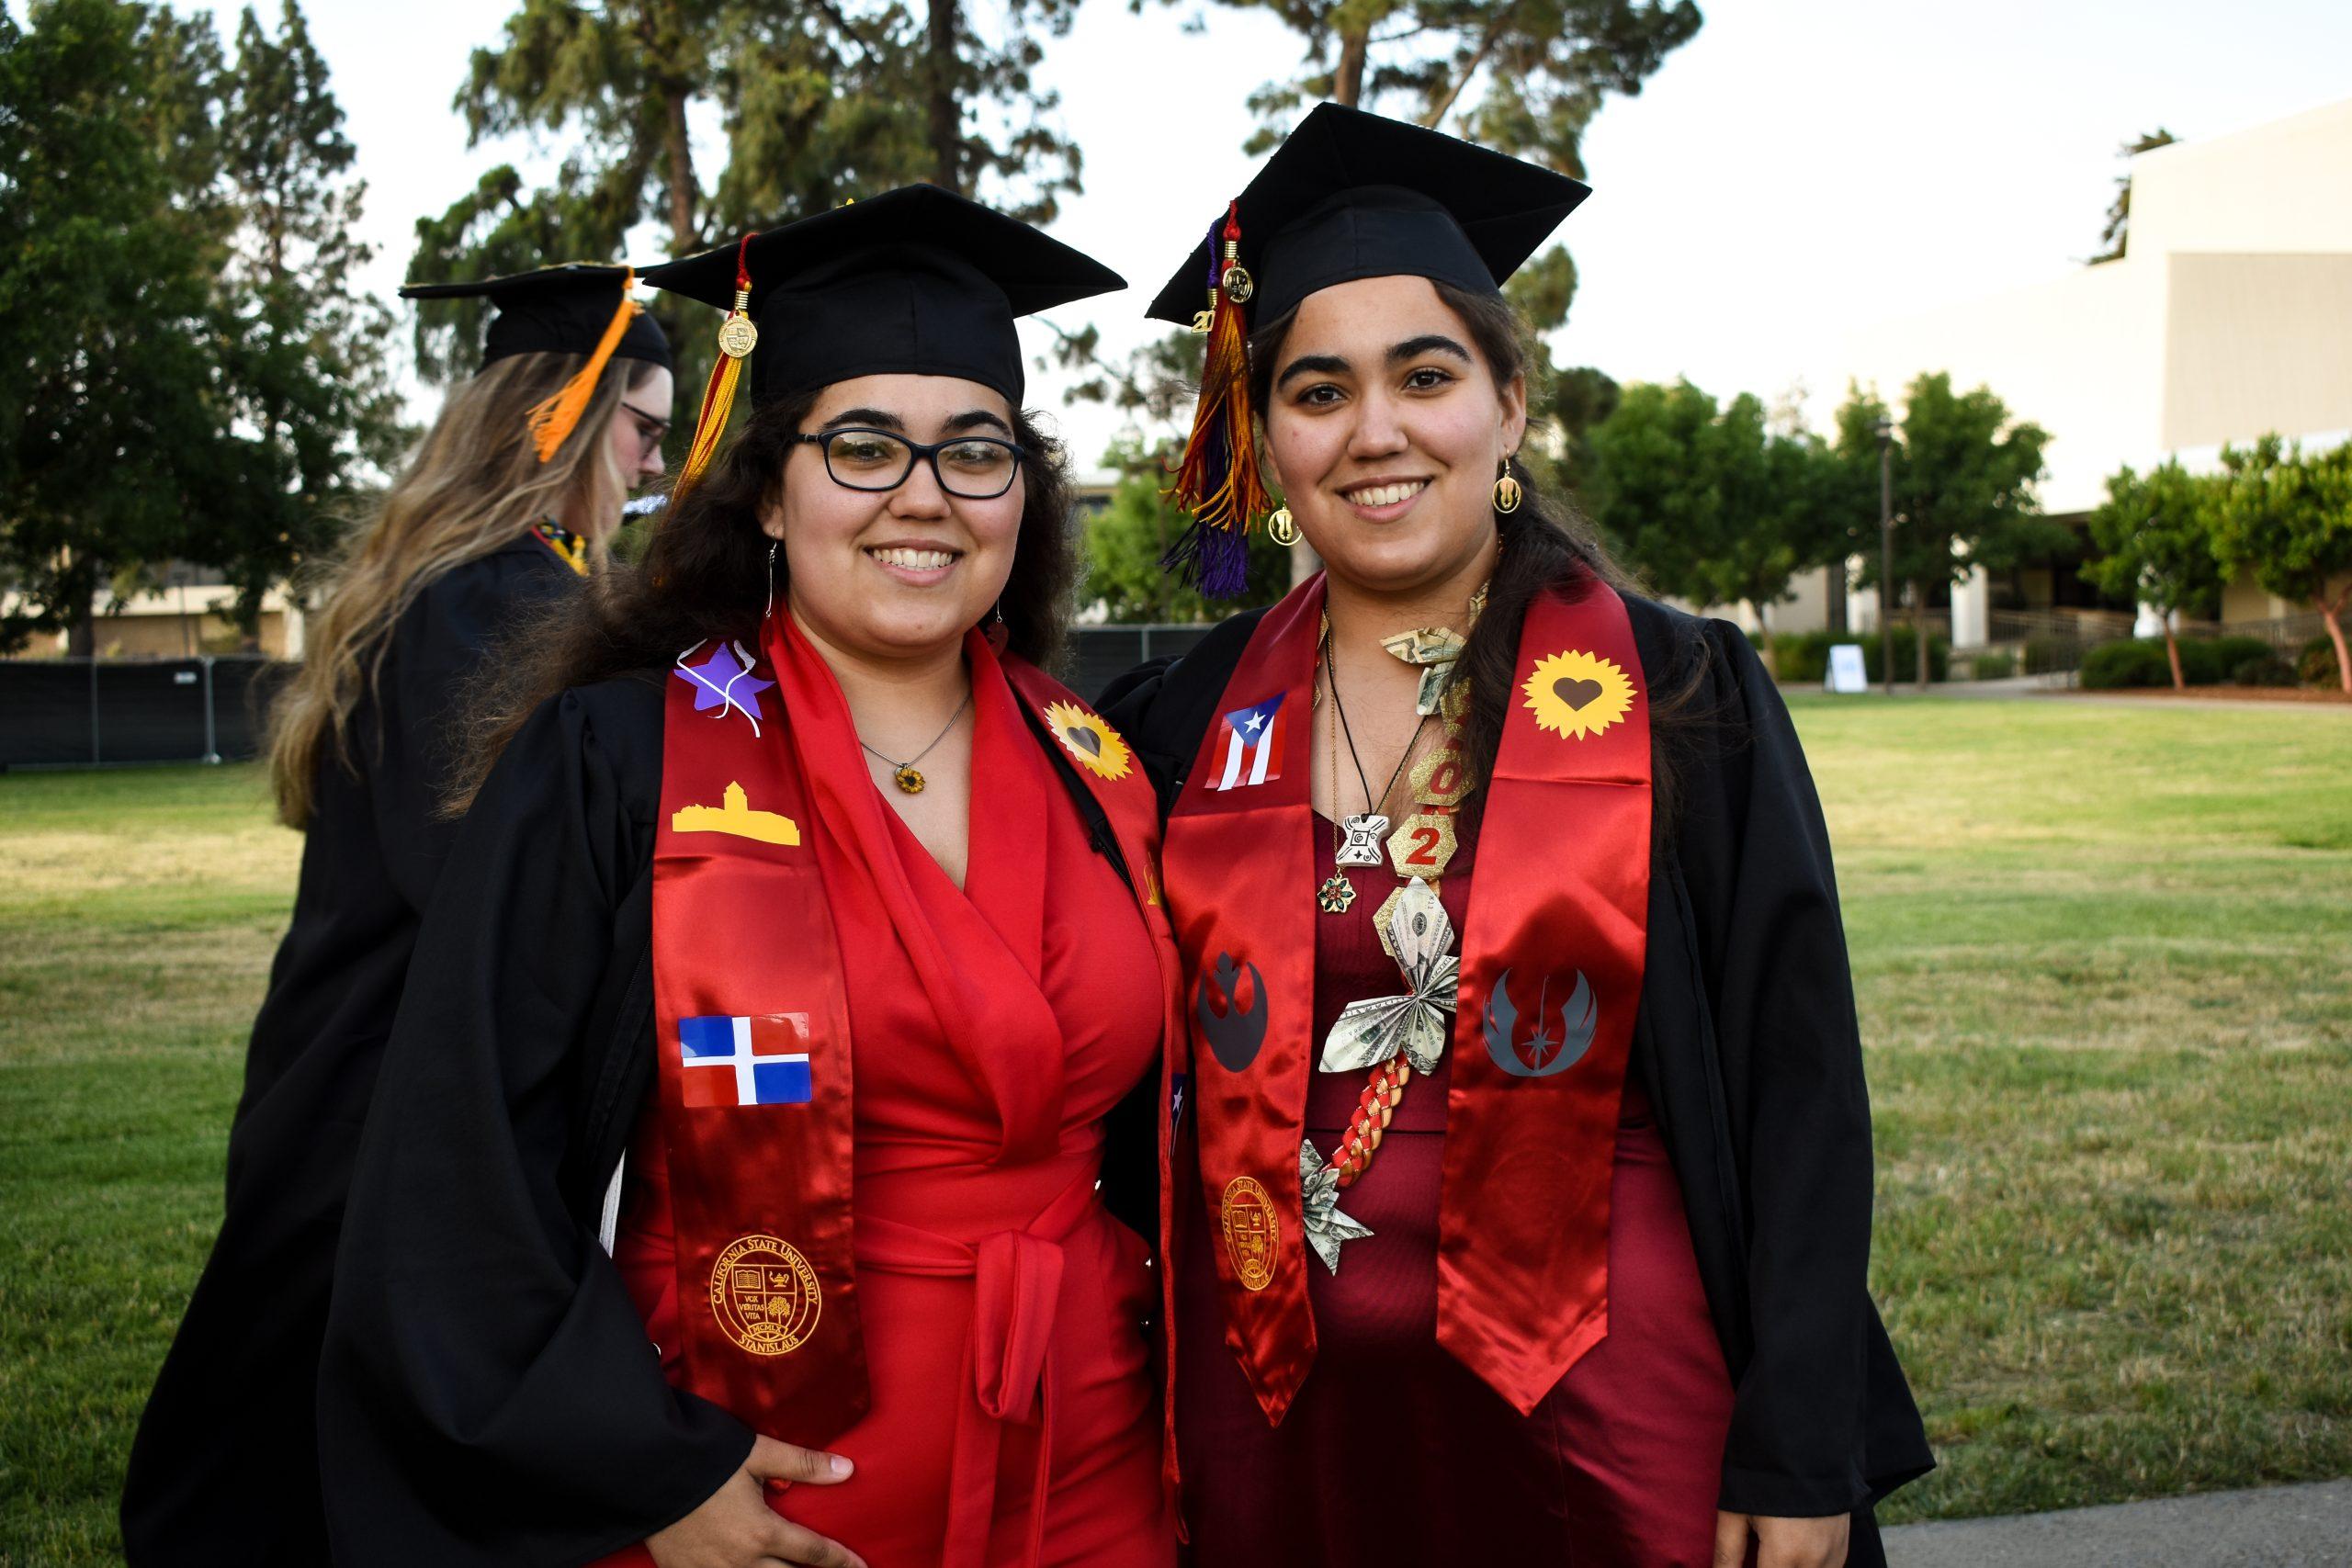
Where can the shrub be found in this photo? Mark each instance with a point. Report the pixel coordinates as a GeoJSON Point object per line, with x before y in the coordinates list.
{"type": "Point", "coordinates": [2315, 666]}
{"type": "Point", "coordinates": [2048, 655]}
{"type": "Point", "coordinates": [2269, 670]}
{"type": "Point", "coordinates": [1803, 658]}
{"type": "Point", "coordinates": [2132, 662]}
{"type": "Point", "coordinates": [1993, 664]}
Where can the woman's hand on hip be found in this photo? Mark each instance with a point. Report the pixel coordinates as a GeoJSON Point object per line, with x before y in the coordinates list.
{"type": "Point", "coordinates": [736, 1529]}
{"type": "Point", "coordinates": [1781, 1543]}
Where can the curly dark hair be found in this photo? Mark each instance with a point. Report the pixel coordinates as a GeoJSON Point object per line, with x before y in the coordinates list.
{"type": "Point", "coordinates": [1545, 546]}
{"type": "Point", "coordinates": [705, 576]}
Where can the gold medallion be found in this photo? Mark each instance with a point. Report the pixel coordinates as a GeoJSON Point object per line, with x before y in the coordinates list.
{"type": "Point", "coordinates": [1422, 844]}
{"type": "Point", "coordinates": [1253, 1233]}
{"type": "Point", "coordinates": [765, 1296]}
{"type": "Point", "coordinates": [738, 336]}
{"type": "Point", "coordinates": [1237, 284]}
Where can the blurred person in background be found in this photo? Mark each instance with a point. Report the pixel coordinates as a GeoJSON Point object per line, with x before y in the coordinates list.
{"type": "Point", "coordinates": [505, 508]}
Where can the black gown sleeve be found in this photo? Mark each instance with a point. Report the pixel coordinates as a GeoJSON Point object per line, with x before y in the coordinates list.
{"type": "Point", "coordinates": [1756, 855]}
{"type": "Point", "coordinates": [487, 1392]}
{"type": "Point", "coordinates": [436, 653]}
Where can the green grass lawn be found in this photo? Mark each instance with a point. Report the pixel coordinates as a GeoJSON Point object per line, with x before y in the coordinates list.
{"type": "Point", "coordinates": [2105, 967]}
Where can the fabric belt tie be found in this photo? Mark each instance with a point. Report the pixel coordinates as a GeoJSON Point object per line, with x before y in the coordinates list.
{"type": "Point", "coordinates": [1016, 1285]}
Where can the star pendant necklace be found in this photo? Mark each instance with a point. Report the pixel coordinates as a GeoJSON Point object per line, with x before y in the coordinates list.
{"type": "Point", "coordinates": [906, 775]}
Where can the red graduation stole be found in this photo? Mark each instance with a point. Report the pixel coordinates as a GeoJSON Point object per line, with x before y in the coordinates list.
{"type": "Point", "coordinates": [755, 1062]}
{"type": "Point", "coordinates": [1551, 978]}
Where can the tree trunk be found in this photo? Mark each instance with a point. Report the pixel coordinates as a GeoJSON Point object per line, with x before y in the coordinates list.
{"type": "Point", "coordinates": [1764, 630]}
{"type": "Point", "coordinates": [2332, 613]}
{"type": "Point", "coordinates": [1347, 83]}
{"type": "Point", "coordinates": [1919, 628]}
{"type": "Point", "coordinates": [1835, 609]}
{"type": "Point", "coordinates": [686, 235]}
{"type": "Point", "coordinates": [2172, 652]}
{"type": "Point", "coordinates": [945, 124]}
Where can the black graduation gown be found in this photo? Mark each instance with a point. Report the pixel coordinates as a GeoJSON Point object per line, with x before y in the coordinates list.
{"type": "Point", "coordinates": [487, 1395]}
{"type": "Point", "coordinates": [225, 1467]}
{"type": "Point", "coordinates": [1747, 1046]}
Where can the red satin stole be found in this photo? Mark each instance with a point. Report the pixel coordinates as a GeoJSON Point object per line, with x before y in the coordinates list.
{"type": "Point", "coordinates": [754, 1059]}
{"type": "Point", "coordinates": [1558, 908]}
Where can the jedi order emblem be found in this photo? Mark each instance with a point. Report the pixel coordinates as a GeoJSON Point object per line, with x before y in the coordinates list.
{"type": "Point", "coordinates": [1527, 1048]}
{"type": "Point", "coordinates": [1234, 1024]}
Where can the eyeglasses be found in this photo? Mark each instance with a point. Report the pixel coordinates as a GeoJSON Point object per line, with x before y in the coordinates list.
{"type": "Point", "coordinates": [651, 429]}
{"type": "Point", "coordinates": [975, 468]}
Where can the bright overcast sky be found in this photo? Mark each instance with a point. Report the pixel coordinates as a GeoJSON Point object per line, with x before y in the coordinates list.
{"type": "Point", "coordinates": [1800, 168]}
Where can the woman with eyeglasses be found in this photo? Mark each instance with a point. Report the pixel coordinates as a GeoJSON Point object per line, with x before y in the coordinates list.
{"type": "Point", "coordinates": [732, 1194]}
{"type": "Point", "coordinates": [504, 505]}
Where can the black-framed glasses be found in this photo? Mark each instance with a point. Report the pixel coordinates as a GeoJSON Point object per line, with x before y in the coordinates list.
{"type": "Point", "coordinates": [651, 429]}
{"type": "Point", "coordinates": [975, 467]}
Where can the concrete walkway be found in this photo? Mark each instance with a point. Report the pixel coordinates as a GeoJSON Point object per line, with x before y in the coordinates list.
{"type": "Point", "coordinates": [2278, 1526]}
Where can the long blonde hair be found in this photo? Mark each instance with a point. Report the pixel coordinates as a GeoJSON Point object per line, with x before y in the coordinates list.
{"type": "Point", "coordinates": [474, 485]}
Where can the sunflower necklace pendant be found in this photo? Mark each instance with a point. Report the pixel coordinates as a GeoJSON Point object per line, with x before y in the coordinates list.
{"type": "Point", "coordinates": [906, 775]}
{"type": "Point", "coordinates": [1394, 1036]}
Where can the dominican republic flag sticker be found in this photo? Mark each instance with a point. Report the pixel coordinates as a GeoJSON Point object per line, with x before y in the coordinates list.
{"type": "Point", "coordinates": [1252, 740]}
{"type": "Point", "coordinates": [746, 1061]}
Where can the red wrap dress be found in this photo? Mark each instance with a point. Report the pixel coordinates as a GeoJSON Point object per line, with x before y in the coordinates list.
{"type": "Point", "coordinates": [1394, 1452]}
{"type": "Point", "coordinates": [1014, 1416]}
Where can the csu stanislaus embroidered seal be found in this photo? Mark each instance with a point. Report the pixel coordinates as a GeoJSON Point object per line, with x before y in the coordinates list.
{"type": "Point", "coordinates": [1253, 1233]}
{"type": "Point", "coordinates": [765, 1296]}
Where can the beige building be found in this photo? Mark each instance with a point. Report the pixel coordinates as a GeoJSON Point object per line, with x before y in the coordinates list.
{"type": "Point", "coordinates": [2229, 316]}
{"type": "Point", "coordinates": [185, 618]}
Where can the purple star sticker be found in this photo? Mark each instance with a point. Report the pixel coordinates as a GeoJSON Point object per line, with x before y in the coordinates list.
{"type": "Point", "coordinates": [722, 678]}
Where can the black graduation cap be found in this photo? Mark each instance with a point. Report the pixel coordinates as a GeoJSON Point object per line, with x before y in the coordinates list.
{"type": "Point", "coordinates": [1352, 195]}
{"type": "Point", "coordinates": [917, 281]}
{"type": "Point", "coordinates": [556, 309]}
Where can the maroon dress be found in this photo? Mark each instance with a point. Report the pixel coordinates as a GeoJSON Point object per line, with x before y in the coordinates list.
{"type": "Point", "coordinates": [1394, 1452]}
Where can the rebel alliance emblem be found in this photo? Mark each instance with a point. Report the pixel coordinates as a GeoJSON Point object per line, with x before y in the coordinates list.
{"type": "Point", "coordinates": [1234, 1029]}
{"type": "Point", "coordinates": [1414, 1025]}
{"type": "Point", "coordinates": [765, 1296]}
{"type": "Point", "coordinates": [1543, 1053]}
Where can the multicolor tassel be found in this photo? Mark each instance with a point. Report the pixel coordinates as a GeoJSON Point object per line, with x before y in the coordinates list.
{"type": "Point", "coordinates": [737, 337]}
{"type": "Point", "coordinates": [1217, 479]}
{"type": "Point", "coordinates": [554, 419]}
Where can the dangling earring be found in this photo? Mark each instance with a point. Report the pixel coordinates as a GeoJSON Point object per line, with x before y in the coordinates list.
{"type": "Point", "coordinates": [1281, 528]}
{"type": "Point", "coordinates": [994, 629]}
{"type": "Point", "coordinates": [771, 604]}
{"type": "Point", "coordinates": [1507, 491]}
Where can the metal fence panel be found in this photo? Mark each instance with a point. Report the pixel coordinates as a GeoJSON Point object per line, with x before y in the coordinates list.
{"type": "Point", "coordinates": [87, 713]}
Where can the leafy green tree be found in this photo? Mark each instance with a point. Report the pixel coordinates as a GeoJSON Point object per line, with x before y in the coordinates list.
{"type": "Point", "coordinates": [110, 413]}
{"type": "Point", "coordinates": [306, 350]}
{"type": "Point", "coordinates": [1964, 472]}
{"type": "Point", "coordinates": [1125, 542]}
{"type": "Point", "coordinates": [2287, 518]}
{"type": "Point", "coordinates": [2117, 234]}
{"type": "Point", "coordinates": [818, 104]}
{"type": "Point", "coordinates": [2154, 537]}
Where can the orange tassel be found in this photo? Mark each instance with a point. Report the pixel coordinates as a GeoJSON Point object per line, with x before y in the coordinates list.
{"type": "Point", "coordinates": [554, 419]}
{"type": "Point", "coordinates": [1218, 479]}
{"type": "Point", "coordinates": [737, 337]}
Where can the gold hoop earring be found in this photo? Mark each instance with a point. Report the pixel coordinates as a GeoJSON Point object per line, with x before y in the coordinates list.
{"type": "Point", "coordinates": [1281, 528]}
{"type": "Point", "coordinates": [1508, 494]}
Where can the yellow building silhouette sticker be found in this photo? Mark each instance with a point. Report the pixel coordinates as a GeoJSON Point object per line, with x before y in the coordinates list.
{"type": "Point", "coordinates": [735, 815]}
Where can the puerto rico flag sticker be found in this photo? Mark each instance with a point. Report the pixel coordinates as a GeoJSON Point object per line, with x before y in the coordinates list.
{"type": "Point", "coordinates": [745, 1061]}
{"type": "Point", "coordinates": [1250, 740]}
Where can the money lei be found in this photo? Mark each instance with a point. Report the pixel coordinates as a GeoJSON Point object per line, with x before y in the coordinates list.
{"type": "Point", "coordinates": [1396, 1036]}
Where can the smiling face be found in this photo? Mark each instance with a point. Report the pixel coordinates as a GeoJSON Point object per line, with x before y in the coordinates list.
{"type": "Point", "coordinates": [896, 574]}
{"type": "Point", "coordinates": [1387, 429]}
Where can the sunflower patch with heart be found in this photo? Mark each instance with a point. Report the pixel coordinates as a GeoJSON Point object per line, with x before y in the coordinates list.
{"type": "Point", "coordinates": [1576, 693]}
